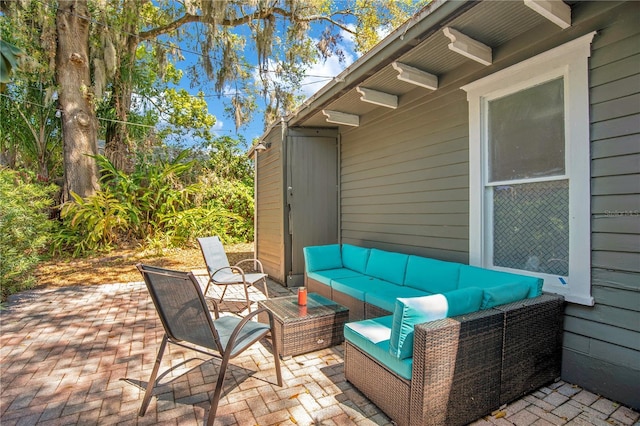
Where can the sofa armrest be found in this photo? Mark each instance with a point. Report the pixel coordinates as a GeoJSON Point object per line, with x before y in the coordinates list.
{"type": "Point", "coordinates": [456, 368]}
{"type": "Point", "coordinates": [532, 345]}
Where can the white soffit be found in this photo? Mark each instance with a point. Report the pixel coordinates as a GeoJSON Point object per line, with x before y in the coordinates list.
{"type": "Point", "coordinates": [338, 117]}
{"type": "Point", "coordinates": [466, 46]}
{"type": "Point", "coordinates": [377, 98]}
{"type": "Point", "coordinates": [556, 11]}
{"type": "Point", "coordinates": [415, 76]}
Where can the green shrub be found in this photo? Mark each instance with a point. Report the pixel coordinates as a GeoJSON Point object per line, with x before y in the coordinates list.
{"type": "Point", "coordinates": [162, 203]}
{"type": "Point", "coordinates": [25, 229]}
{"type": "Point", "coordinates": [91, 224]}
{"type": "Point", "coordinates": [237, 197]}
{"type": "Point", "coordinates": [156, 205]}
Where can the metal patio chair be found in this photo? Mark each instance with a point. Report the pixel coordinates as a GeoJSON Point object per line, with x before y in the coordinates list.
{"type": "Point", "coordinates": [223, 274]}
{"type": "Point", "coordinates": [188, 322]}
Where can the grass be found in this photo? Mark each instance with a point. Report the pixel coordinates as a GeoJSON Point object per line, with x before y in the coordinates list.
{"type": "Point", "coordinates": [118, 266]}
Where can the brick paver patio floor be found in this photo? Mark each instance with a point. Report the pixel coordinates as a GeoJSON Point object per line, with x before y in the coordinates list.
{"type": "Point", "coordinates": [79, 355]}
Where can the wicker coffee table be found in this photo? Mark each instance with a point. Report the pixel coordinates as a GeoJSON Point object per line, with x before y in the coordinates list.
{"type": "Point", "coordinates": [302, 329]}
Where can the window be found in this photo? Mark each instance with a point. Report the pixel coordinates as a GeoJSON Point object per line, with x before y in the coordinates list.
{"type": "Point", "coordinates": [529, 170]}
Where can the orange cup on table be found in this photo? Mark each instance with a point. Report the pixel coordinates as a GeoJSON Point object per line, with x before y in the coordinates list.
{"type": "Point", "coordinates": [302, 296]}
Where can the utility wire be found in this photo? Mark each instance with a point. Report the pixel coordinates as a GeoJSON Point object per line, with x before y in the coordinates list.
{"type": "Point", "coordinates": [112, 120]}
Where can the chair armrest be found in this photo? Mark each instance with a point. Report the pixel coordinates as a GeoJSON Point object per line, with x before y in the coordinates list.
{"type": "Point", "coordinates": [252, 260]}
{"type": "Point", "coordinates": [243, 323]}
{"type": "Point", "coordinates": [456, 368]}
{"type": "Point", "coordinates": [233, 269]}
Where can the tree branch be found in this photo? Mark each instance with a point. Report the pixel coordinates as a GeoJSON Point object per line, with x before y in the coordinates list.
{"type": "Point", "coordinates": [257, 15]}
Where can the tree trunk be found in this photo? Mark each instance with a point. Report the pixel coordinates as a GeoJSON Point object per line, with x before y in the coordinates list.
{"type": "Point", "coordinates": [118, 147]}
{"type": "Point", "coordinates": [79, 124]}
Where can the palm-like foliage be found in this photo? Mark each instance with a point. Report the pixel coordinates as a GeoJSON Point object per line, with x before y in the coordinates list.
{"type": "Point", "coordinates": [155, 204]}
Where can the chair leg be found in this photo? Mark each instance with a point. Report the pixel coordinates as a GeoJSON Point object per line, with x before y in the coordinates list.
{"type": "Point", "coordinates": [207, 286]}
{"type": "Point", "coordinates": [246, 294]}
{"type": "Point", "coordinates": [224, 290]}
{"type": "Point", "coordinates": [276, 351]}
{"type": "Point", "coordinates": [266, 288]}
{"type": "Point", "coordinates": [216, 394]}
{"type": "Point", "coordinates": [152, 380]}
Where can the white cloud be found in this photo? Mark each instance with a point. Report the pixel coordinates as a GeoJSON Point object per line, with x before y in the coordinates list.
{"type": "Point", "coordinates": [219, 125]}
{"type": "Point", "coordinates": [349, 38]}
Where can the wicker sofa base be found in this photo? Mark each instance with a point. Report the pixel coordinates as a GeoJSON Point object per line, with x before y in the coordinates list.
{"type": "Point", "coordinates": [356, 307]}
{"type": "Point", "coordinates": [532, 353]}
{"type": "Point", "coordinates": [390, 392]}
{"type": "Point", "coordinates": [314, 286]}
{"type": "Point", "coordinates": [466, 367]}
{"type": "Point", "coordinates": [456, 369]}
{"type": "Point", "coordinates": [373, 311]}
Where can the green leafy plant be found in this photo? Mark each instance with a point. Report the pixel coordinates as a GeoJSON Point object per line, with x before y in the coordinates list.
{"type": "Point", "coordinates": [96, 221]}
{"type": "Point", "coordinates": [24, 229]}
{"type": "Point", "coordinates": [155, 205]}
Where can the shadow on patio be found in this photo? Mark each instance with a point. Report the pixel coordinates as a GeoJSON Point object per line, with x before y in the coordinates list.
{"type": "Point", "coordinates": [81, 355]}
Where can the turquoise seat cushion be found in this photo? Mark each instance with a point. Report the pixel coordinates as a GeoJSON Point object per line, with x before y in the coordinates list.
{"type": "Point", "coordinates": [385, 298]}
{"type": "Point", "coordinates": [325, 276]}
{"type": "Point", "coordinates": [387, 266]}
{"type": "Point", "coordinates": [432, 275]}
{"type": "Point", "coordinates": [505, 293]}
{"type": "Point", "coordinates": [372, 337]}
{"type": "Point", "coordinates": [354, 257]}
{"type": "Point", "coordinates": [357, 287]}
{"type": "Point", "coordinates": [407, 313]}
{"type": "Point", "coordinates": [463, 301]}
{"type": "Point", "coordinates": [318, 258]}
{"type": "Point", "coordinates": [472, 276]}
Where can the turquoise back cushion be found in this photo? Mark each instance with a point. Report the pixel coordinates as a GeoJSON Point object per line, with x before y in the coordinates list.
{"type": "Point", "coordinates": [505, 293]}
{"type": "Point", "coordinates": [463, 301]}
{"type": "Point", "coordinates": [388, 266]}
{"type": "Point", "coordinates": [431, 275]}
{"type": "Point", "coordinates": [355, 258]}
{"type": "Point", "coordinates": [318, 258]}
{"type": "Point", "coordinates": [472, 276]}
{"type": "Point", "coordinates": [407, 313]}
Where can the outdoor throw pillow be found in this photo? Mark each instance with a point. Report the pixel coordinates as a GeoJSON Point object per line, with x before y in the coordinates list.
{"type": "Point", "coordinates": [463, 301]}
{"type": "Point", "coordinates": [502, 294]}
{"type": "Point", "coordinates": [409, 312]}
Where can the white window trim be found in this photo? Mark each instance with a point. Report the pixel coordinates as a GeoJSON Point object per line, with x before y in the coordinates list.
{"type": "Point", "coordinates": [570, 61]}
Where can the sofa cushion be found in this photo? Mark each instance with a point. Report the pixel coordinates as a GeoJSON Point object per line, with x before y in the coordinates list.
{"type": "Point", "coordinates": [385, 298]}
{"type": "Point", "coordinates": [388, 266]}
{"type": "Point", "coordinates": [357, 287]}
{"type": "Point", "coordinates": [431, 275]}
{"type": "Point", "coordinates": [372, 337]}
{"type": "Point", "coordinates": [463, 301]}
{"type": "Point", "coordinates": [354, 257]}
{"type": "Point", "coordinates": [325, 276]}
{"type": "Point", "coordinates": [318, 258]}
{"type": "Point", "coordinates": [472, 276]}
{"type": "Point", "coordinates": [409, 312]}
{"type": "Point", "coordinates": [505, 293]}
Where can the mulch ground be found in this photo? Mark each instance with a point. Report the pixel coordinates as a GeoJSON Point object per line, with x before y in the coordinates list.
{"type": "Point", "coordinates": [118, 266]}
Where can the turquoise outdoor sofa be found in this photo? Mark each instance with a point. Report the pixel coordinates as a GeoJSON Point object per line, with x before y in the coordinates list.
{"type": "Point", "coordinates": [438, 343]}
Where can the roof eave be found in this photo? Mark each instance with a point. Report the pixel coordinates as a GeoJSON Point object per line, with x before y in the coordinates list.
{"type": "Point", "coordinates": [405, 37]}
